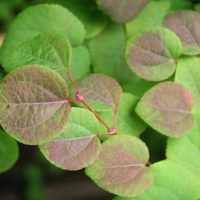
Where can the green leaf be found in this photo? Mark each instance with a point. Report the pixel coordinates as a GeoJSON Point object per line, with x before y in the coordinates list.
{"type": "Point", "coordinates": [122, 10]}
{"type": "Point", "coordinates": [127, 121]}
{"type": "Point", "coordinates": [81, 62]}
{"type": "Point", "coordinates": [101, 92]}
{"type": "Point", "coordinates": [143, 21]}
{"type": "Point", "coordinates": [155, 192]}
{"type": "Point", "coordinates": [33, 109]}
{"type": "Point", "coordinates": [92, 18]}
{"type": "Point", "coordinates": [186, 24]}
{"type": "Point", "coordinates": [186, 150]}
{"type": "Point", "coordinates": [120, 167]}
{"type": "Point", "coordinates": [108, 53]}
{"type": "Point", "coordinates": [151, 54]}
{"type": "Point", "coordinates": [167, 108]}
{"type": "Point", "coordinates": [172, 181]}
{"type": "Point", "coordinates": [77, 146]}
{"type": "Point", "coordinates": [177, 179]}
{"type": "Point", "coordinates": [9, 152]}
{"type": "Point", "coordinates": [42, 19]}
{"type": "Point", "coordinates": [188, 75]}
{"type": "Point", "coordinates": [181, 4]}
{"type": "Point", "coordinates": [46, 49]}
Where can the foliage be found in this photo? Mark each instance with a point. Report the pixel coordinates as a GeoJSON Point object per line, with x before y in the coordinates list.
{"type": "Point", "coordinates": [85, 79]}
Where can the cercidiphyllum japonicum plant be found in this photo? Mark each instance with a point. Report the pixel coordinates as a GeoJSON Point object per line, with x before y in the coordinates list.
{"type": "Point", "coordinates": [80, 119]}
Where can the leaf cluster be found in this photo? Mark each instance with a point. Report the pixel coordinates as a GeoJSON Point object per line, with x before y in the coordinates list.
{"type": "Point", "coordinates": [84, 79]}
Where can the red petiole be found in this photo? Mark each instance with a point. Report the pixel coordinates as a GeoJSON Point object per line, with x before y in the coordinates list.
{"type": "Point", "coordinates": [79, 98]}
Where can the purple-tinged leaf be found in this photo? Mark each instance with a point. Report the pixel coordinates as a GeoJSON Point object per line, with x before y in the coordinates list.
{"type": "Point", "coordinates": [167, 108]}
{"type": "Point", "coordinates": [78, 145]}
{"type": "Point", "coordinates": [151, 54]}
{"type": "Point", "coordinates": [121, 166]}
{"type": "Point", "coordinates": [32, 105]}
{"type": "Point", "coordinates": [122, 10]}
{"type": "Point", "coordinates": [100, 91]}
{"type": "Point", "coordinates": [186, 24]}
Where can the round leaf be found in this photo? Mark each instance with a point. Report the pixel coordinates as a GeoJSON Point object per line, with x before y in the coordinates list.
{"type": "Point", "coordinates": [32, 105]}
{"type": "Point", "coordinates": [167, 108]}
{"type": "Point", "coordinates": [151, 55]}
{"type": "Point", "coordinates": [120, 167]}
{"type": "Point", "coordinates": [186, 24]}
{"type": "Point", "coordinates": [9, 152]}
{"type": "Point", "coordinates": [122, 10]}
{"type": "Point", "coordinates": [77, 146]}
{"type": "Point", "coordinates": [42, 19]}
{"type": "Point", "coordinates": [100, 91]}
{"type": "Point", "coordinates": [46, 49]}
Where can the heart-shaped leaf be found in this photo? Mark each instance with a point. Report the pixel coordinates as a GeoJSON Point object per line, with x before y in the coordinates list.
{"type": "Point", "coordinates": [186, 24]}
{"type": "Point", "coordinates": [42, 19]}
{"type": "Point", "coordinates": [122, 10]}
{"type": "Point", "coordinates": [46, 49]}
{"type": "Point", "coordinates": [100, 91]}
{"type": "Point", "coordinates": [151, 55]}
{"type": "Point", "coordinates": [188, 75]}
{"type": "Point", "coordinates": [143, 21]}
{"type": "Point", "coordinates": [33, 109]}
{"type": "Point", "coordinates": [77, 146]}
{"type": "Point", "coordinates": [120, 167]}
{"type": "Point", "coordinates": [167, 108]}
{"type": "Point", "coordinates": [9, 152]}
{"type": "Point", "coordinates": [127, 122]}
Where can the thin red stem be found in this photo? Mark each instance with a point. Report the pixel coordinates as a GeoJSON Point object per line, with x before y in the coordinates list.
{"type": "Point", "coordinates": [96, 115]}
{"type": "Point", "coordinates": [72, 81]}
{"type": "Point", "coordinates": [79, 98]}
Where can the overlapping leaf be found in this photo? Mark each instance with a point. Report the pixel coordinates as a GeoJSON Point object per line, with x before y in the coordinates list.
{"type": "Point", "coordinates": [92, 18]}
{"type": "Point", "coordinates": [151, 55]}
{"type": "Point", "coordinates": [120, 167]}
{"type": "Point", "coordinates": [188, 75]}
{"type": "Point", "coordinates": [46, 49]}
{"type": "Point", "coordinates": [108, 57]}
{"type": "Point", "coordinates": [172, 181]}
{"type": "Point", "coordinates": [77, 146]}
{"type": "Point", "coordinates": [186, 24]}
{"type": "Point", "coordinates": [32, 104]}
{"type": "Point", "coordinates": [100, 91]}
{"type": "Point", "coordinates": [167, 108]}
{"type": "Point", "coordinates": [122, 10]}
{"type": "Point", "coordinates": [9, 152]}
{"type": "Point", "coordinates": [42, 19]}
{"type": "Point", "coordinates": [143, 21]}
{"type": "Point", "coordinates": [127, 122]}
